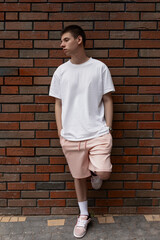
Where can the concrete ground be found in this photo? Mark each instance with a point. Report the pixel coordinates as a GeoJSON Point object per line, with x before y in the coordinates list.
{"type": "Point", "coordinates": [106, 227]}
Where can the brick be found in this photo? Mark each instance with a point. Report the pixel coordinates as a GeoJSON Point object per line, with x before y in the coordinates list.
{"type": "Point", "coordinates": [46, 134]}
{"type": "Point", "coordinates": [125, 142]}
{"type": "Point", "coordinates": [8, 71]}
{"type": "Point", "coordinates": [9, 177]}
{"type": "Point", "coordinates": [9, 34]}
{"type": "Point", "coordinates": [12, 16]}
{"type": "Point", "coordinates": [1, 15]}
{"type": "Point", "coordinates": [51, 203]}
{"type": "Point", "coordinates": [34, 35]}
{"type": "Point", "coordinates": [156, 185]}
{"type": "Point", "coordinates": [10, 211]}
{"type": "Point", "coordinates": [157, 116]}
{"type": "Point", "coordinates": [3, 203]}
{"type": "Point", "coordinates": [122, 193]}
{"type": "Point", "coordinates": [140, 7]}
{"type": "Point", "coordinates": [33, 71]}
{"type": "Point", "coordinates": [20, 7]}
{"type": "Point", "coordinates": [122, 210]}
{"type": "Point", "coordinates": [48, 62]}
{"type": "Point", "coordinates": [81, 16]}
{"type": "Point", "coordinates": [149, 89]}
{"type": "Point", "coordinates": [9, 143]}
{"type": "Point", "coordinates": [61, 177]}
{"type": "Point", "coordinates": [125, 108]}
{"type": "Point", "coordinates": [109, 7]}
{"type": "Point", "coordinates": [22, 203]}
{"type": "Point", "coordinates": [124, 159]}
{"type": "Point", "coordinates": [138, 202]}
{"type": "Point", "coordinates": [141, 81]}
{"type": "Point", "coordinates": [9, 160]}
{"type": "Point", "coordinates": [57, 160]}
{"type": "Point", "coordinates": [138, 116]}
{"type": "Point", "coordinates": [15, 99]}
{"type": "Point", "coordinates": [149, 53]}
{"type": "Point", "coordinates": [35, 143]}
{"type": "Point", "coordinates": [108, 43]}
{"type": "Point", "coordinates": [10, 108]}
{"type": "Point", "coordinates": [109, 202]}
{"type": "Point", "coordinates": [50, 186]}
{"type": "Point", "coordinates": [124, 71]}
{"type": "Point", "coordinates": [122, 176]}
{"type": "Point", "coordinates": [9, 194]}
{"type": "Point", "coordinates": [149, 107]}
{"type": "Point", "coordinates": [123, 53]}
{"type": "Point", "coordinates": [47, 7]}
{"type": "Point", "coordinates": [137, 185]}
{"type": "Point", "coordinates": [42, 80]}
{"type": "Point", "coordinates": [16, 169]}
{"type": "Point", "coordinates": [18, 44]}
{"type": "Point", "coordinates": [18, 25]}
{"type": "Point", "coordinates": [2, 186]}
{"type": "Point", "coordinates": [34, 90]}
{"type": "Point", "coordinates": [9, 90]}
{"type": "Point", "coordinates": [138, 151]}
{"type": "Point", "coordinates": [64, 210]}
{"type": "Point", "coordinates": [46, 44]}
{"type": "Point", "coordinates": [16, 134]}
{"type": "Point", "coordinates": [47, 25]}
{"type": "Point", "coordinates": [149, 142]}
{"type": "Point", "coordinates": [109, 25]}
{"type": "Point", "coordinates": [137, 168]}
{"type": "Point", "coordinates": [147, 193]}
{"type": "Point", "coordinates": [149, 159]}
{"type": "Point", "coordinates": [51, 169]}
{"type": "Point", "coordinates": [138, 133]}
{"type": "Point", "coordinates": [76, 7]}
{"type": "Point", "coordinates": [149, 125]}
{"type": "Point", "coordinates": [150, 16]}
{"type": "Point", "coordinates": [20, 151]}
{"type": "Point", "coordinates": [150, 35]}
{"type": "Point", "coordinates": [33, 16]}
{"type": "Point", "coordinates": [142, 43]}
{"type": "Point", "coordinates": [141, 25]}
{"type": "Point", "coordinates": [36, 211]}
{"type": "Point", "coordinates": [34, 160]}
{"type": "Point", "coordinates": [148, 176]}
{"type": "Point", "coordinates": [33, 125]}
{"type": "Point", "coordinates": [17, 117]}
{"type": "Point", "coordinates": [140, 98]}
{"type": "Point", "coordinates": [35, 177]}
{"type": "Point", "coordinates": [63, 194]}
{"type": "Point", "coordinates": [34, 108]}
{"type": "Point", "coordinates": [125, 16]}
{"type": "Point", "coordinates": [16, 62]}
{"type": "Point", "coordinates": [125, 125]}
{"type": "Point", "coordinates": [124, 34]}
{"type": "Point", "coordinates": [19, 81]}
{"type": "Point", "coordinates": [34, 194]}
{"type": "Point", "coordinates": [1, 28]}
{"type": "Point", "coordinates": [21, 186]}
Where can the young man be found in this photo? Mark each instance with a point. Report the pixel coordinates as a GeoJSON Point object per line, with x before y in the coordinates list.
{"type": "Point", "coordinates": [82, 89]}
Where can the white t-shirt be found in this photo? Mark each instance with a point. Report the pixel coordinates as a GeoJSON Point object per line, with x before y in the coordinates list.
{"type": "Point", "coordinates": [80, 88]}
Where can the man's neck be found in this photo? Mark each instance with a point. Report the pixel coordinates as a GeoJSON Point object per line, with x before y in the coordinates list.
{"type": "Point", "coordinates": [79, 58]}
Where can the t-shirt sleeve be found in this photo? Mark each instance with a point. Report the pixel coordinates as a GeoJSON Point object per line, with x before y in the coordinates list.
{"type": "Point", "coordinates": [55, 90]}
{"type": "Point", "coordinates": [107, 82]}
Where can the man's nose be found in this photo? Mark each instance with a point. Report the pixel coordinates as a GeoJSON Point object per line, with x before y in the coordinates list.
{"type": "Point", "coordinates": [62, 44]}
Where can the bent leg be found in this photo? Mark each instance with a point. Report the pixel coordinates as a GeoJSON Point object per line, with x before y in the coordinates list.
{"type": "Point", "coordinates": [103, 175]}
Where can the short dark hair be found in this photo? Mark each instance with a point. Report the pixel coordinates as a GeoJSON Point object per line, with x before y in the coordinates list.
{"type": "Point", "coordinates": [75, 30]}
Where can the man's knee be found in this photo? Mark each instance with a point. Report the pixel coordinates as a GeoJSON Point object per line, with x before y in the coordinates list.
{"type": "Point", "coordinates": [104, 175]}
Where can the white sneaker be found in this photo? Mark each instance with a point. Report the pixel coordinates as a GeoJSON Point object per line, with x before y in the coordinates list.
{"type": "Point", "coordinates": [80, 228]}
{"type": "Point", "coordinates": [96, 182]}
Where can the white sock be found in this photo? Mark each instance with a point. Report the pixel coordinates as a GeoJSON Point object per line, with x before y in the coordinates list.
{"type": "Point", "coordinates": [83, 206]}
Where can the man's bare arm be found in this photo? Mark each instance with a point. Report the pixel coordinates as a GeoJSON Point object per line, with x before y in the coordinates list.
{"type": "Point", "coordinates": [108, 108]}
{"type": "Point", "coordinates": [58, 113]}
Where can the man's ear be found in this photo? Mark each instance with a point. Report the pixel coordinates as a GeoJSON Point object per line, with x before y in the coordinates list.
{"type": "Point", "coordinates": [79, 39]}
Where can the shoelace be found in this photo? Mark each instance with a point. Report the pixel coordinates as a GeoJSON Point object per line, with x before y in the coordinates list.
{"type": "Point", "coordinates": [81, 222]}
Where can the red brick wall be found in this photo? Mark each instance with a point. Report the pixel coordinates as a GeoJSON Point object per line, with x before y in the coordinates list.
{"type": "Point", "coordinates": [34, 177]}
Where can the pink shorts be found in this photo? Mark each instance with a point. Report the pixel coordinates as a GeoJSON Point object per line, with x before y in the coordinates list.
{"type": "Point", "coordinates": [88, 155]}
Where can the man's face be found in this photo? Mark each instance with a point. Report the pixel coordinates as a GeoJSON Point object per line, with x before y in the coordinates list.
{"type": "Point", "coordinates": [69, 44]}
